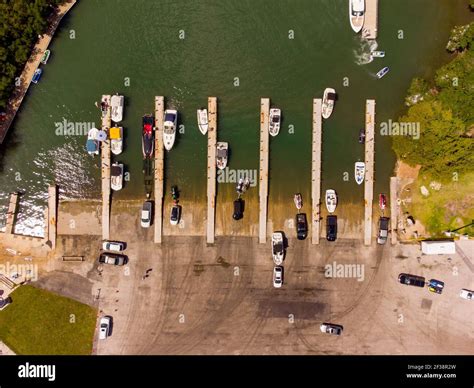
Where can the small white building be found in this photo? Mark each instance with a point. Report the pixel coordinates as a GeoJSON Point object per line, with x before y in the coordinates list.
{"type": "Point", "coordinates": [438, 247]}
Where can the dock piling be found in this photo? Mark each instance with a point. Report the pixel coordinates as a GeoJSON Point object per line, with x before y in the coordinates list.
{"type": "Point", "coordinates": [316, 171]}
{"type": "Point", "coordinates": [369, 169]}
{"type": "Point", "coordinates": [211, 168]}
{"type": "Point", "coordinates": [264, 154]}
{"type": "Point", "coordinates": [159, 168]}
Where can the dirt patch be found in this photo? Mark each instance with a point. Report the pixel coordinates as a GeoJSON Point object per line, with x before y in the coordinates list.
{"type": "Point", "coordinates": [405, 171]}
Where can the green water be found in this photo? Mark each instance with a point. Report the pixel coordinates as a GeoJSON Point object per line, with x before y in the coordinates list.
{"type": "Point", "coordinates": [140, 40]}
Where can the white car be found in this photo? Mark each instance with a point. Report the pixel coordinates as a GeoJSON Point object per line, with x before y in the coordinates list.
{"type": "Point", "coordinates": [278, 248]}
{"type": "Point", "coordinates": [146, 214]}
{"type": "Point", "coordinates": [113, 246]}
{"type": "Point", "coordinates": [104, 327]}
{"type": "Point", "coordinates": [466, 294]}
{"type": "Point", "coordinates": [331, 328]}
{"type": "Point", "coordinates": [278, 276]}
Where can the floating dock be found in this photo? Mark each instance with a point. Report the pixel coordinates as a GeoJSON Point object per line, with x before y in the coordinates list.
{"type": "Point", "coordinates": [316, 171]}
{"type": "Point", "coordinates": [159, 167]}
{"type": "Point", "coordinates": [105, 170]}
{"type": "Point", "coordinates": [393, 208]}
{"type": "Point", "coordinates": [211, 168]}
{"type": "Point", "coordinates": [11, 214]}
{"type": "Point", "coordinates": [369, 169]}
{"type": "Point", "coordinates": [52, 215]}
{"type": "Point", "coordinates": [264, 152]}
{"type": "Point", "coordinates": [371, 19]}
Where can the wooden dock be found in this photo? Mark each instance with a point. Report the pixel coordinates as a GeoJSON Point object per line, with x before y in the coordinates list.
{"type": "Point", "coordinates": [369, 169]}
{"type": "Point", "coordinates": [11, 214]}
{"type": "Point", "coordinates": [52, 215]}
{"type": "Point", "coordinates": [159, 167]}
{"type": "Point", "coordinates": [211, 168]}
{"type": "Point", "coordinates": [393, 208]}
{"type": "Point", "coordinates": [105, 171]}
{"type": "Point", "coordinates": [371, 19]}
{"type": "Point", "coordinates": [316, 171]}
{"type": "Point", "coordinates": [264, 153]}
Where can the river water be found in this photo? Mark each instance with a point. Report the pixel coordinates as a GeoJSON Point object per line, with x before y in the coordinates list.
{"type": "Point", "coordinates": [238, 51]}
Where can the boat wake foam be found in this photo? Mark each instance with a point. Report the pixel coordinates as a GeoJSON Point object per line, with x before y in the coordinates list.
{"type": "Point", "coordinates": [363, 52]}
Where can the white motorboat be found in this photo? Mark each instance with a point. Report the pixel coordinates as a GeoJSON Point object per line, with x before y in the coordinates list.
{"type": "Point", "coordinates": [116, 103]}
{"type": "Point", "coordinates": [92, 144]}
{"type": "Point", "coordinates": [240, 186]}
{"type": "Point", "coordinates": [222, 154]}
{"type": "Point", "coordinates": [359, 171]}
{"type": "Point", "coordinates": [169, 128]}
{"type": "Point", "coordinates": [116, 176]}
{"type": "Point", "coordinates": [116, 140]}
{"type": "Point", "coordinates": [357, 14]}
{"type": "Point", "coordinates": [377, 54]}
{"type": "Point", "coordinates": [331, 200]}
{"type": "Point", "coordinates": [275, 119]}
{"type": "Point", "coordinates": [329, 98]}
{"type": "Point", "coordinates": [298, 201]}
{"type": "Point", "coordinates": [203, 121]}
{"type": "Point", "coordinates": [382, 72]}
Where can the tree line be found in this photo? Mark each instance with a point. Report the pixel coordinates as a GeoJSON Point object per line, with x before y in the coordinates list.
{"type": "Point", "coordinates": [21, 22]}
{"type": "Point", "coordinates": [444, 107]}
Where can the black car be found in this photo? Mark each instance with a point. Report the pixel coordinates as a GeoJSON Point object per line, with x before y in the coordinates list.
{"type": "Point", "coordinates": [331, 228]}
{"type": "Point", "coordinates": [301, 226]}
{"type": "Point", "coordinates": [175, 215]}
{"type": "Point", "coordinates": [238, 209]}
{"type": "Point", "coordinates": [411, 280]}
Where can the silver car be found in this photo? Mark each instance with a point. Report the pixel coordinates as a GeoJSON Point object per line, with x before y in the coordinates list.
{"type": "Point", "coordinates": [113, 246]}
{"type": "Point", "coordinates": [278, 276]}
{"type": "Point", "coordinates": [331, 328]}
{"type": "Point", "coordinates": [104, 327]}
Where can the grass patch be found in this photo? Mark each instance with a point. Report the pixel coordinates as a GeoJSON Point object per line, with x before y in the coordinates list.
{"type": "Point", "coordinates": [446, 209]}
{"type": "Point", "coordinates": [39, 322]}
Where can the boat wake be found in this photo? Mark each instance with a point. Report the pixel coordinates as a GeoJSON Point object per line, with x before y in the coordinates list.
{"type": "Point", "coordinates": [363, 52]}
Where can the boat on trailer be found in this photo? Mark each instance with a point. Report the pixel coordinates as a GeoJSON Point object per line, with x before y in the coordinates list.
{"type": "Point", "coordinates": [331, 200]}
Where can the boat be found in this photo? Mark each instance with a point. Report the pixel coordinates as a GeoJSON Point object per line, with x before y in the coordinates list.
{"type": "Point", "coordinates": [382, 72]}
{"type": "Point", "coordinates": [331, 200]}
{"type": "Point", "coordinates": [222, 154]}
{"type": "Point", "coordinates": [382, 201]}
{"type": "Point", "coordinates": [45, 57]}
{"type": "Point", "coordinates": [92, 144]}
{"type": "Point", "coordinates": [116, 176]}
{"type": "Point", "coordinates": [169, 128]}
{"type": "Point", "coordinates": [202, 119]}
{"type": "Point", "coordinates": [275, 119]}
{"type": "Point", "coordinates": [240, 186]}
{"type": "Point", "coordinates": [359, 172]}
{"type": "Point", "coordinates": [298, 201]}
{"type": "Point", "coordinates": [362, 136]}
{"type": "Point", "coordinates": [329, 98]}
{"type": "Point", "coordinates": [104, 105]}
{"type": "Point", "coordinates": [116, 140]}
{"type": "Point", "coordinates": [116, 103]}
{"type": "Point", "coordinates": [37, 76]}
{"type": "Point", "coordinates": [357, 14]}
{"type": "Point", "coordinates": [148, 142]}
{"type": "Point", "coordinates": [377, 54]}
{"type": "Point", "coordinates": [278, 247]}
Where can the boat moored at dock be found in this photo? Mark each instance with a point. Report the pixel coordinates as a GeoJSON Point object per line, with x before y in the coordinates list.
{"type": "Point", "coordinates": [359, 172]}
{"type": "Point", "coordinates": [203, 121]}
{"type": "Point", "coordinates": [329, 98]}
{"type": "Point", "coordinates": [362, 136]}
{"type": "Point", "coordinates": [92, 144]}
{"type": "Point", "coordinates": [382, 201]}
{"type": "Point", "coordinates": [116, 140]}
{"type": "Point", "coordinates": [274, 123]}
{"type": "Point", "coordinates": [298, 199]}
{"type": "Point", "coordinates": [169, 128]}
{"type": "Point", "coordinates": [148, 141]}
{"type": "Point", "coordinates": [116, 176]}
{"type": "Point", "coordinates": [357, 14]}
{"type": "Point", "coordinates": [116, 102]}
{"type": "Point", "coordinates": [222, 154]}
{"type": "Point", "coordinates": [45, 57]}
{"type": "Point", "coordinates": [37, 75]}
{"type": "Point", "coordinates": [331, 200]}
